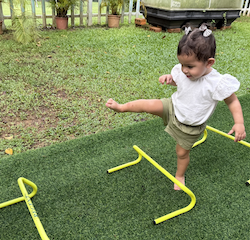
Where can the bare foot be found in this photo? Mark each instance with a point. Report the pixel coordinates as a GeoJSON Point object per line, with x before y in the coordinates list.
{"type": "Point", "coordinates": [180, 179]}
{"type": "Point", "coordinates": [112, 104]}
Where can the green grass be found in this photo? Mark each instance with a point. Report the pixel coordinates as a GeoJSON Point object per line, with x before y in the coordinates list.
{"type": "Point", "coordinates": [77, 199]}
{"type": "Point", "coordinates": [55, 90]}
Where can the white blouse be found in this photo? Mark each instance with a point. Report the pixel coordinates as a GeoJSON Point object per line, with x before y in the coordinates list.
{"type": "Point", "coordinates": [195, 101]}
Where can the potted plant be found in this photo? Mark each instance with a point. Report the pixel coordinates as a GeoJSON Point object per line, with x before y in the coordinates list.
{"type": "Point", "coordinates": [115, 7]}
{"type": "Point", "coordinates": [62, 7]}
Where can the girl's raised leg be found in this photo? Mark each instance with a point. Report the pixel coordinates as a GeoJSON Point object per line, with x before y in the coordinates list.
{"type": "Point", "coordinates": [153, 106]}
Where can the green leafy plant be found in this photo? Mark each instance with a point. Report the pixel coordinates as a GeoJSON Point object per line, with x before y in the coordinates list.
{"type": "Point", "coordinates": [24, 24]}
{"type": "Point", "coordinates": [115, 6]}
{"type": "Point", "coordinates": [62, 6]}
{"type": "Point", "coordinates": [25, 29]}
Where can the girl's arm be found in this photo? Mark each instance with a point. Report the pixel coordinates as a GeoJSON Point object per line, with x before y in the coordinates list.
{"type": "Point", "coordinates": [168, 79]}
{"type": "Point", "coordinates": [236, 110]}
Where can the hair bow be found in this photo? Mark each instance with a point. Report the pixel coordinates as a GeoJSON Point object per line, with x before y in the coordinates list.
{"type": "Point", "coordinates": [205, 30]}
{"type": "Point", "coordinates": [187, 30]}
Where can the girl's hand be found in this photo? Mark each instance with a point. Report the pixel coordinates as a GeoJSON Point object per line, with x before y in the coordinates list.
{"type": "Point", "coordinates": [239, 130]}
{"type": "Point", "coordinates": [168, 79]}
{"type": "Point", "coordinates": [235, 108]}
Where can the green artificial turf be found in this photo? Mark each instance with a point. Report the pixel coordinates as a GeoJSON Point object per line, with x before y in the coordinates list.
{"type": "Point", "coordinates": [77, 199]}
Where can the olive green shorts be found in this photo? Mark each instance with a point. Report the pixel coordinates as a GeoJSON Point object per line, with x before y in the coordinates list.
{"type": "Point", "coordinates": [184, 135]}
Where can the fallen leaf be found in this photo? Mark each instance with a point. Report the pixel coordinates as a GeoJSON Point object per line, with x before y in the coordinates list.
{"type": "Point", "coordinates": [9, 151]}
{"type": "Point", "coordinates": [148, 35]}
{"type": "Point", "coordinates": [17, 60]}
{"type": "Point", "coordinates": [58, 46]}
{"type": "Point", "coordinates": [107, 72]}
{"type": "Point", "coordinates": [9, 137]}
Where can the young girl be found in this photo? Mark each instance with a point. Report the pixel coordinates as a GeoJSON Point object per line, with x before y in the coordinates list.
{"type": "Point", "coordinates": [199, 88]}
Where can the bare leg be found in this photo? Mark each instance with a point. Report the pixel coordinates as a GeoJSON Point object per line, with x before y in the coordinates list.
{"type": "Point", "coordinates": [182, 164]}
{"type": "Point", "coordinates": [153, 106]}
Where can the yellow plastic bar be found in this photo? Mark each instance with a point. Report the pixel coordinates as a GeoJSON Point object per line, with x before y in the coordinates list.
{"type": "Point", "coordinates": [221, 133]}
{"type": "Point", "coordinates": [27, 198]}
{"type": "Point", "coordinates": [167, 174]}
{"type": "Point", "coordinates": [202, 140]}
{"type": "Point", "coordinates": [226, 135]}
{"type": "Point", "coordinates": [20, 199]}
{"type": "Point", "coordinates": [125, 165]}
{"type": "Point", "coordinates": [31, 208]}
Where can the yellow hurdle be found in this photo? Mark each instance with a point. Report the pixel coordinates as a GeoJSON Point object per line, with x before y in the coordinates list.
{"type": "Point", "coordinates": [167, 174]}
{"type": "Point", "coordinates": [27, 198]}
{"type": "Point", "coordinates": [221, 133]}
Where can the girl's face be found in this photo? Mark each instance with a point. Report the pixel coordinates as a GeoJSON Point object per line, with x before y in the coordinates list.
{"type": "Point", "coordinates": [193, 68]}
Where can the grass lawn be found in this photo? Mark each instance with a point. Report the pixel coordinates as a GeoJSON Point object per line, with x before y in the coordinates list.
{"type": "Point", "coordinates": [77, 199]}
{"type": "Point", "coordinates": [55, 89]}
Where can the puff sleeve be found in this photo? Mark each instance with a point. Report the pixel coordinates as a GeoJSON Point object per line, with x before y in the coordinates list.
{"type": "Point", "coordinates": [226, 87]}
{"type": "Point", "coordinates": [175, 72]}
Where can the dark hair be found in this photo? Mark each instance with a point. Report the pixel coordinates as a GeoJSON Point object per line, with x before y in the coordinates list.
{"type": "Point", "coordinates": [195, 43]}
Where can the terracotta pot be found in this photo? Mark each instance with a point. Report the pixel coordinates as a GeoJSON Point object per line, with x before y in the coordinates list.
{"type": "Point", "coordinates": [113, 21]}
{"type": "Point", "coordinates": [61, 23]}
{"type": "Point", "coordinates": [1, 29]}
